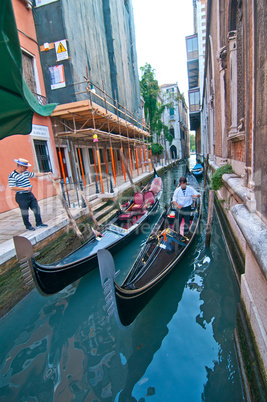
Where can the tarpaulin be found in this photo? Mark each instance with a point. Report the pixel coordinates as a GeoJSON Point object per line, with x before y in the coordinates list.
{"type": "Point", "coordinates": [17, 103]}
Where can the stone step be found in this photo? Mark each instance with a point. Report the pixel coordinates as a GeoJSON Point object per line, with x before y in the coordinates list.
{"type": "Point", "coordinates": [108, 216]}
{"type": "Point", "coordinates": [98, 205]}
{"type": "Point", "coordinates": [104, 212]}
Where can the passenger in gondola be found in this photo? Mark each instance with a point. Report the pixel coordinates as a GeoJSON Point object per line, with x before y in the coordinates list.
{"type": "Point", "coordinates": [183, 198]}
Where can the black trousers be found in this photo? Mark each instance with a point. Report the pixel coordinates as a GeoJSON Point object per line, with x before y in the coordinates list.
{"type": "Point", "coordinates": [185, 213]}
{"type": "Point", "coordinates": [26, 201]}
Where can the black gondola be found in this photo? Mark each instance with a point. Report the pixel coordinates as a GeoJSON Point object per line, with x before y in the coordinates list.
{"type": "Point", "coordinates": [160, 254]}
{"type": "Point", "coordinates": [52, 278]}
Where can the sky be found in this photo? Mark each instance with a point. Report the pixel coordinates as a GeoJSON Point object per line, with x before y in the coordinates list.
{"type": "Point", "coordinates": [160, 30]}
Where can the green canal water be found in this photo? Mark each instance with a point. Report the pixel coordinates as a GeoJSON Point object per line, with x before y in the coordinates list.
{"type": "Point", "coordinates": [180, 347]}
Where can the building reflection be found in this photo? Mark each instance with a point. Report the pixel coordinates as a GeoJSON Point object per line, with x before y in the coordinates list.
{"type": "Point", "coordinates": [73, 350]}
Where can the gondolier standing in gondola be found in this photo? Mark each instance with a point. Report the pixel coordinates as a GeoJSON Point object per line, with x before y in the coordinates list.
{"type": "Point", "coordinates": [19, 181]}
{"type": "Point", "coordinates": [183, 198]}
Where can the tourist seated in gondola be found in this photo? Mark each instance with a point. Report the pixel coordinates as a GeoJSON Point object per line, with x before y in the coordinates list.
{"type": "Point", "coordinates": [183, 198]}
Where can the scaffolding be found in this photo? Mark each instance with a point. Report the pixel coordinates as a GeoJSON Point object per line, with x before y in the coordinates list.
{"type": "Point", "coordinates": [101, 121]}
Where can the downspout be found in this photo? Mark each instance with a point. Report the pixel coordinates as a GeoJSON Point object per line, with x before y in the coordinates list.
{"type": "Point", "coordinates": [253, 94]}
{"type": "Point", "coordinates": [222, 86]}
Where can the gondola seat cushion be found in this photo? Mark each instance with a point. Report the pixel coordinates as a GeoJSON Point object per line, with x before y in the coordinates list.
{"type": "Point", "coordinates": [149, 199]}
{"type": "Point", "coordinates": [125, 217]}
{"type": "Point", "coordinates": [138, 202]}
{"type": "Point", "coordinates": [156, 185]}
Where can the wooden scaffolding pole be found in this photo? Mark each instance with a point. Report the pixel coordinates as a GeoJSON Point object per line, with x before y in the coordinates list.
{"type": "Point", "coordinates": [136, 157]}
{"type": "Point", "coordinates": [142, 165]}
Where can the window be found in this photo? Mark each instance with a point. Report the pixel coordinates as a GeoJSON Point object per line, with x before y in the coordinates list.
{"type": "Point", "coordinates": [192, 47]}
{"type": "Point", "coordinates": [194, 101]}
{"type": "Point", "coordinates": [28, 71]}
{"type": "Point", "coordinates": [171, 111]}
{"type": "Point", "coordinates": [101, 156]}
{"type": "Point", "coordinates": [42, 155]}
{"type": "Point", "coordinates": [91, 156]}
{"type": "Point", "coordinates": [172, 131]}
{"type": "Point", "coordinates": [80, 160]}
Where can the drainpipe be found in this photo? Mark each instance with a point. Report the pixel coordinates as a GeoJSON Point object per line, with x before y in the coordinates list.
{"type": "Point", "coordinates": [253, 93]}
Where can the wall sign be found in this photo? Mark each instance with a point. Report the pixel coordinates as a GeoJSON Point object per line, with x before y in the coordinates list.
{"type": "Point", "coordinates": [61, 50]}
{"type": "Point", "coordinates": [57, 77]}
{"type": "Point", "coordinates": [39, 131]}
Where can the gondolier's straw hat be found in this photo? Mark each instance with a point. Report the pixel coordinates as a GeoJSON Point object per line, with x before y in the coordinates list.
{"type": "Point", "coordinates": [22, 162]}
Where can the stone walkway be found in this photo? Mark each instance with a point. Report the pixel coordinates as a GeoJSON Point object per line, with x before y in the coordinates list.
{"type": "Point", "coordinates": [54, 215]}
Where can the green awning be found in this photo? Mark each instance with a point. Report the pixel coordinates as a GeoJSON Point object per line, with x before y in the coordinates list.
{"type": "Point", "coordinates": [17, 103]}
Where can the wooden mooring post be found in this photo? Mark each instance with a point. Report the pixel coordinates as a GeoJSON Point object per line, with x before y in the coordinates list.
{"type": "Point", "coordinates": [206, 171]}
{"type": "Point", "coordinates": [210, 217]}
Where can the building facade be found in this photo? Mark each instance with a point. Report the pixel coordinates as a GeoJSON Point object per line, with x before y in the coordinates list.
{"type": "Point", "coordinates": [88, 55]}
{"type": "Point", "coordinates": [82, 56]}
{"type": "Point", "coordinates": [175, 116]}
{"type": "Point", "coordinates": [233, 113]}
{"type": "Point", "coordinates": [39, 146]}
{"type": "Point", "coordinates": [195, 47]}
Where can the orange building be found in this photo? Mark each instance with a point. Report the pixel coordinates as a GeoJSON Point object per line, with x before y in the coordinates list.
{"type": "Point", "coordinates": [39, 146]}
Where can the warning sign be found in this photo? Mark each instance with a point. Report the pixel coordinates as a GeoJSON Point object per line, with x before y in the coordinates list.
{"type": "Point", "coordinates": [61, 50]}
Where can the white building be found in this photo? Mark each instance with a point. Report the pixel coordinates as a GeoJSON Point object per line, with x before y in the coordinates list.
{"type": "Point", "coordinates": [175, 116]}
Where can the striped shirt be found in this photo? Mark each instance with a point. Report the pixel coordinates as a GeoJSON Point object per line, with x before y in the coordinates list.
{"type": "Point", "coordinates": [16, 179]}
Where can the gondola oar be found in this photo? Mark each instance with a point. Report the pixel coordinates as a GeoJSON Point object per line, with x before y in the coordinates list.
{"type": "Point", "coordinates": [65, 206]}
{"type": "Point", "coordinates": [127, 171]}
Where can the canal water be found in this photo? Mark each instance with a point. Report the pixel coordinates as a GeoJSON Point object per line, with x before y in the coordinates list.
{"type": "Point", "coordinates": [180, 347]}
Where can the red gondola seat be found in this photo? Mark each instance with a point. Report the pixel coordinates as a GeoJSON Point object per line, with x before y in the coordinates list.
{"type": "Point", "coordinates": [138, 202]}
{"type": "Point", "coordinates": [156, 185]}
{"type": "Point", "coordinates": [149, 199]}
{"type": "Point", "coordinates": [126, 216]}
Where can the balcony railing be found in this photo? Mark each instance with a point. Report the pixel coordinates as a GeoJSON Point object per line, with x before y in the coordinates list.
{"type": "Point", "coordinates": [42, 100]}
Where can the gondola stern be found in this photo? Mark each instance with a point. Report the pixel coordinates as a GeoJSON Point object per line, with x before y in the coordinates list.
{"type": "Point", "coordinates": [108, 276]}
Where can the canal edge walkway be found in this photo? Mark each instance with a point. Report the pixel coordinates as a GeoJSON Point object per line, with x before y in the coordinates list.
{"type": "Point", "coordinates": [54, 215]}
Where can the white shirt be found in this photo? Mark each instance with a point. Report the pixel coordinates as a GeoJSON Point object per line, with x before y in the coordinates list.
{"type": "Point", "coordinates": [185, 200]}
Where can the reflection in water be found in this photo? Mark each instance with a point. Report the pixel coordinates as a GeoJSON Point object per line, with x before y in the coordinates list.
{"type": "Point", "coordinates": [65, 347]}
{"type": "Point", "coordinates": [151, 327]}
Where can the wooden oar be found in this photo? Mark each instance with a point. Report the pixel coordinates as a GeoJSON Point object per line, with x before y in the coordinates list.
{"type": "Point", "coordinates": [65, 206]}
{"type": "Point", "coordinates": [90, 209]}
{"type": "Point", "coordinates": [127, 171]}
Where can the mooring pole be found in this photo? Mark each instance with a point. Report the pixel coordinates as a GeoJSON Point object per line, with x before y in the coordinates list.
{"type": "Point", "coordinates": [206, 171]}
{"type": "Point", "coordinates": [210, 217]}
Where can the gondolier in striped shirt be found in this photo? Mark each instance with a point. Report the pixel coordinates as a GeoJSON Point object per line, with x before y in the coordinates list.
{"type": "Point", "coordinates": [19, 181]}
{"type": "Point", "coordinates": [183, 198]}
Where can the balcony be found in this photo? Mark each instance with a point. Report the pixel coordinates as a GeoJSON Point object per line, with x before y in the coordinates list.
{"type": "Point", "coordinates": [42, 100]}
{"type": "Point", "coordinates": [192, 61]}
{"type": "Point", "coordinates": [192, 47]}
{"type": "Point", "coordinates": [194, 108]}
